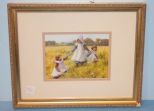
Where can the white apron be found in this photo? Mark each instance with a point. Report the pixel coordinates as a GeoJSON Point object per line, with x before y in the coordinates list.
{"type": "Point", "coordinates": [61, 67]}
{"type": "Point", "coordinates": [80, 53]}
{"type": "Point", "coordinates": [92, 57]}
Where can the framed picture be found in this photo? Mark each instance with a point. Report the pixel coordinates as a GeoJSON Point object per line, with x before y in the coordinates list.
{"type": "Point", "coordinates": [76, 55]}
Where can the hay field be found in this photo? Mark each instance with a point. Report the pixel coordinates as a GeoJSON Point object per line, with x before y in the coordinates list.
{"type": "Point", "coordinates": [88, 70]}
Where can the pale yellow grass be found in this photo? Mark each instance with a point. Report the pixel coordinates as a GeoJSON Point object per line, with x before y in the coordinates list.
{"type": "Point", "coordinates": [92, 70]}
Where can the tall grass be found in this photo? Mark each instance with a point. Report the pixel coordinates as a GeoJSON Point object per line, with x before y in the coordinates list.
{"type": "Point", "coordinates": [87, 70]}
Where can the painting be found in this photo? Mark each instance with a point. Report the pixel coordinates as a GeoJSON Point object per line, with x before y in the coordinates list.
{"type": "Point", "coordinates": [76, 55]}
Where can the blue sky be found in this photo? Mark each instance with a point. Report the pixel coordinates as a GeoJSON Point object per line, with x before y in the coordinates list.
{"type": "Point", "coordinates": [70, 37]}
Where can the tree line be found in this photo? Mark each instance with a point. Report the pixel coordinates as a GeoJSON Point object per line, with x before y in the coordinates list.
{"type": "Point", "coordinates": [87, 41]}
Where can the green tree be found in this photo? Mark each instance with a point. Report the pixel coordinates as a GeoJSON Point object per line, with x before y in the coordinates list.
{"type": "Point", "coordinates": [89, 41]}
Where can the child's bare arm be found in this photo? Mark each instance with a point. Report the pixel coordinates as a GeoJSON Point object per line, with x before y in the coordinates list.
{"type": "Point", "coordinates": [65, 57]}
{"type": "Point", "coordinates": [70, 53]}
{"type": "Point", "coordinates": [74, 48]}
{"type": "Point", "coordinates": [85, 47]}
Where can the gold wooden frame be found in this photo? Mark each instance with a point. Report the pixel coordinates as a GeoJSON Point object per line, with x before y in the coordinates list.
{"type": "Point", "coordinates": [13, 9]}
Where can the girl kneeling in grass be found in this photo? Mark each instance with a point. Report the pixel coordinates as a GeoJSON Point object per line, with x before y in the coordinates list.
{"type": "Point", "coordinates": [59, 68]}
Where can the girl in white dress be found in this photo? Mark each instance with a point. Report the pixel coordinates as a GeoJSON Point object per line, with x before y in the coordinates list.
{"type": "Point", "coordinates": [93, 56]}
{"type": "Point", "coordinates": [59, 67]}
{"type": "Point", "coordinates": [80, 52]}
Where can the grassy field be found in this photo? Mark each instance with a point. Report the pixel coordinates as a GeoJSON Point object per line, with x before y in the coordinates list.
{"type": "Point", "coordinates": [88, 70]}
